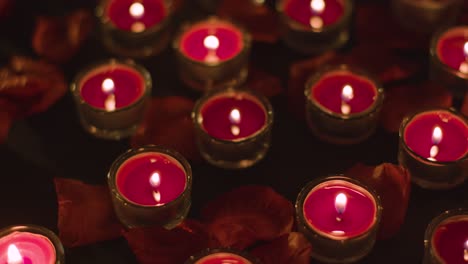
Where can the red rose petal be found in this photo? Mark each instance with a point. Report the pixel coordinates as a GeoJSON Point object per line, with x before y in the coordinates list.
{"type": "Point", "coordinates": [168, 122]}
{"type": "Point", "coordinates": [289, 248]}
{"type": "Point", "coordinates": [85, 213]}
{"type": "Point", "coordinates": [298, 75]}
{"type": "Point", "coordinates": [259, 20]}
{"type": "Point", "coordinates": [464, 109]}
{"type": "Point", "coordinates": [248, 214]}
{"type": "Point", "coordinates": [58, 39]}
{"type": "Point", "coordinates": [393, 185]}
{"type": "Point", "coordinates": [158, 245]}
{"type": "Point", "coordinates": [264, 83]}
{"type": "Point", "coordinates": [403, 100]}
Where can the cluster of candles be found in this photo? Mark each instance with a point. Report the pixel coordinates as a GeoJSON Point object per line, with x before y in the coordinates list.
{"type": "Point", "coordinates": [340, 216]}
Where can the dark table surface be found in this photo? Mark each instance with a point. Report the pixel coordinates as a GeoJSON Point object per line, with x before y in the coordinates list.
{"type": "Point", "coordinates": [53, 144]}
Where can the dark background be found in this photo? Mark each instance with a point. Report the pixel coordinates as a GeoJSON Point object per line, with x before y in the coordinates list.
{"type": "Point", "coordinates": [53, 144]}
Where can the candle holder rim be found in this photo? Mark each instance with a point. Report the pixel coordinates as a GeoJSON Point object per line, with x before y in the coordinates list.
{"type": "Point", "coordinates": [263, 102]}
{"type": "Point", "coordinates": [209, 251]}
{"type": "Point", "coordinates": [112, 174]}
{"type": "Point", "coordinates": [303, 193]}
{"type": "Point", "coordinates": [147, 82]}
{"type": "Point", "coordinates": [100, 14]}
{"type": "Point", "coordinates": [347, 12]}
{"type": "Point", "coordinates": [355, 70]}
{"type": "Point", "coordinates": [435, 56]}
{"type": "Point", "coordinates": [246, 40]}
{"type": "Point", "coordinates": [406, 120]}
{"type": "Point", "coordinates": [39, 230]}
{"type": "Point", "coordinates": [436, 221]}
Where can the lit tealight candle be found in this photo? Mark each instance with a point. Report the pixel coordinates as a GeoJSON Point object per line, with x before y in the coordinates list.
{"type": "Point", "coordinates": [111, 97]}
{"type": "Point", "coordinates": [233, 127]}
{"type": "Point", "coordinates": [434, 148]}
{"type": "Point", "coordinates": [30, 244]}
{"type": "Point", "coordinates": [150, 185]}
{"type": "Point", "coordinates": [449, 59]}
{"type": "Point", "coordinates": [343, 104]}
{"type": "Point", "coordinates": [315, 25]}
{"type": "Point", "coordinates": [340, 217]}
{"type": "Point", "coordinates": [446, 238]}
{"type": "Point", "coordinates": [212, 53]}
{"type": "Point", "coordinates": [221, 256]}
{"type": "Point", "coordinates": [136, 28]}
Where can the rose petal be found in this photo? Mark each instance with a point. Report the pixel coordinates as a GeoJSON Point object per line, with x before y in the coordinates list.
{"type": "Point", "coordinates": [85, 213]}
{"type": "Point", "coordinates": [259, 20]}
{"type": "Point", "coordinates": [393, 185]}
{"type": "Point", "coordinates": [403, 100]}
{"type": "Point", "coordinates": [264, 83]}
{"type": "Point", "coordinates": [248, 214]}
{"type": "Point", "coordinates": [158, 245]}
{"type": "Point", "coordinates": [289, 248]}
{"type": "Point", "coordinates": [298, 75]}
{"type": "Point", "coordinates": [168, 122]}
{"type": "Point", "coordinates": [464, 109]}
{"type": "Point", "coordinates": [58, 39]}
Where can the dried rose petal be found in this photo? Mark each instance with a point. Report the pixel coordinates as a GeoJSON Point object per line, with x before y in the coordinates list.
{"type": "Point", "coordinates": [85, 213]}
{"type": "Point", "coordinates": [248, 214]}
{"type": "Point", "coordinates": [168, 122]}
{"type": "Point", "coordinates": [289, 248]}
{"type": "Point", "coordinates": [58, 39]}
{"type": "Point", "coordinates": [464, 109]}
{"type": "Point", "coordinates": [264, 83]}
{"type": "Point", "coordinates": [403, 100]}
{"type": "Point", "coordinates": [393, 185]}
{"type": "Point", "coordinates": [298, 75]}
{"type": "Point", "coordinates": [32, 86]}
{"type": "Point", "coordinates": [158, 245]}
{"type": "Point", "coordinates": [259, 20]}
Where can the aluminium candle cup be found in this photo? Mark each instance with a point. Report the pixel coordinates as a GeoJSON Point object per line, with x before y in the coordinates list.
{"type": "Point", "coordinates": [308, 40]}
{"type": "Point", "coordinates": [426, 16]}
{"type": "Point", "coordinates": [349, 245]}
{"type": "Point", "coordinates": [120, 122]}
{"type": "Point", "coordinates": [168, 214]}
{"type": "Point", "coordinates": [432, 174]}
{"type": "Point", "coordinates": [453, 79]}
{"type": "Point", "coordinates": [203, 75]}
{"type": "Point", "coordinates": [446, 238]}
{"type": "Point", "coordinates": [238, 151]}
{"type": "Point", "coordinates": [33, 234]}
{"type": "Point", "coordinates": [218, 255]}
{"type": "Point", "coordinates": [135, 43]}
{"type": "Point", "coordinates": [340, 128]}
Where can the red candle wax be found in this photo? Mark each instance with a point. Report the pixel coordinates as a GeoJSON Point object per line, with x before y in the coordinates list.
{"type": "Point", "coordinates": [151, 179]}
{"type": "Point", "coordinates": [233, 116]}
{"type": "Point", "coordinates": [352, 218]}
{"type": "Point", "coordinates": [330, 92]}
{"type": "Point", "coordinates": [450, 241]}
{"type": "Point", "coordinates": [136, 16]}
{"type": "Point", "coordinates": [32, 249]}
{"type": "Point", "coordinates": [451, 49]}
{"type": "Point", "coordinates": [110, 87]}
{"type": "Point", "coordinates": [419, 136]}
{"type": "Point", "coordinates": [211, 41]}
{"type": "Point", "coordinates": [223, 258]}
{"type": "Point", "coordinates": [328, 12]}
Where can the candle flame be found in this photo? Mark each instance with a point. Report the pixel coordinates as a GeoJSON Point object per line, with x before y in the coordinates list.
{"type": "Point", "coordinates": [437, 135]}
{"type": "Point", "coordinates": [138, 27]}
{"type": "Point", "coordinates": [316, 22]}
{"type": "Point", "coordinates": [340, 203]}
{"type": "Point", "coordinates": [108, 85]}
{"type": "Point", "coordinates": [235, 116]}
{"type": "Point", "coordinates": [137, 10]}
{"type": "Point", "coordinates": [465, 252]}
{"type": "Point", "coordinates": [317, 6]}
{"type": "Point", "coordinates": [347, 93]}
{"type": "Point", "coordinates": [14, 256]}
{"type": "Point", "coordinates": [211, 42]}
{"type": "Point", "coordinates": [155, 179]}
{"type": "Point", "coordinates": [235, 130]}
{"type": "Point", "coordinates": [157, 197]}
{"type": "Point", "coordinates": [110, 103]}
